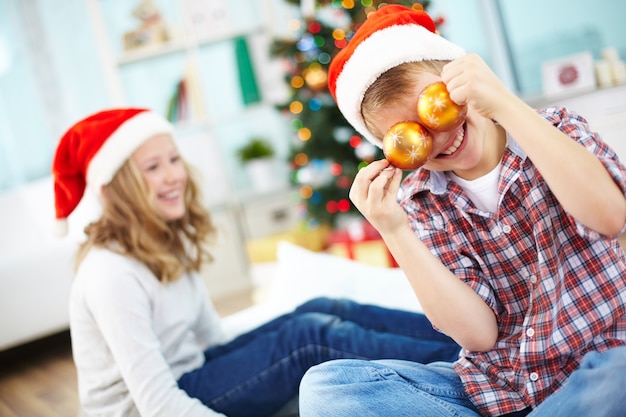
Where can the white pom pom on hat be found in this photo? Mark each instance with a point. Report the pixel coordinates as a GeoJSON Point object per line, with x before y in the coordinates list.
{"type": "Point", "coordinates": [391, 36]}
{"type": "Point", "coordinates": [91, 152]}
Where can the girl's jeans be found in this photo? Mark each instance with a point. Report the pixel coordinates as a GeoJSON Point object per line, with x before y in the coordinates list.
{"type": "Point", "coordinates": [348, 388]}
{"type": "Point", "coordinates": [259, 372]}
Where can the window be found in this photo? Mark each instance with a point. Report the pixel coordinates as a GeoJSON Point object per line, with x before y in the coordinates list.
{"type": "Point", "coordinates": [515, 37]}
{"type": "Point", "coordinates": [45, 84]}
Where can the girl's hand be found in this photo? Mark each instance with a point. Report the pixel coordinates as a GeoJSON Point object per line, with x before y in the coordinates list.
{"type": "Point", "coordinates": [470, 81]}
{"type": "Point", "coordinates": [374, 192]}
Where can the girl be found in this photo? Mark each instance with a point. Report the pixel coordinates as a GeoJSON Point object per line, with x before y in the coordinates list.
{"type": "Point", "coordinates": [146, 339]}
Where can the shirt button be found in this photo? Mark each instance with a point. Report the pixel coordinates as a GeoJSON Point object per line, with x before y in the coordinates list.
{"type": "Point", "coordinates": [506, 228]}
{"type": "Point", "coordinates": [530, 332]}
{"type": "Point", "coordinates": [533, 279]}
{"type": "Point", "coordinates": [534, 376]}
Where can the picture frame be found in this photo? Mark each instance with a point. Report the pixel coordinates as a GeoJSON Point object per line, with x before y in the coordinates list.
{"type": "Point", "coordinates": [569, 74]}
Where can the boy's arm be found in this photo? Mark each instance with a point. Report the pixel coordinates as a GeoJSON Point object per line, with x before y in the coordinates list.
{"type": "Point", "coordinates": [449, 303]}
{"type": "Point", "coordinates": [576, 177]}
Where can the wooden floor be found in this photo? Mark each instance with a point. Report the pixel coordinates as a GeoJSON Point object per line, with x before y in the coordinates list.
{"type": "Point", "coordinates": [38, 379]}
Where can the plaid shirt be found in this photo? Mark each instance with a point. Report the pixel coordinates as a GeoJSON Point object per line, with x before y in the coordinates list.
{"type": "Point", "coordinates": [556, 287]}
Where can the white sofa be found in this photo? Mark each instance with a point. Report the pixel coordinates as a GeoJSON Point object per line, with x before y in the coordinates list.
{"type": "Point", "coordinates": [35, 268]}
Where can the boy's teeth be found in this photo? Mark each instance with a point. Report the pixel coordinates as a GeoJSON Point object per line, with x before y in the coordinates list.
{"type": "Point", "coordinates": [456, 144]}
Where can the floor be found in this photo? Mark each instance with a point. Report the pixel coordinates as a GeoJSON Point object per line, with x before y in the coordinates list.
{"type": "Point", "coordinates": [38, 379]}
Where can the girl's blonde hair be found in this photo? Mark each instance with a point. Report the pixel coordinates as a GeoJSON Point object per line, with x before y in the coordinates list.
{"type": "Point", "coordinates": [392, 88]}
{"type": "Point", "coordinates": [131, 225]}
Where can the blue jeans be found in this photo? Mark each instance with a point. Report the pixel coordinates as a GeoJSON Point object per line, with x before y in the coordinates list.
{"type": "Point", "coordinates": [260, 371]}
{"type": "Point", "coordinates": [398, 388]}
{"type": "Point", "coordinates": [596, 389]}
{"type": "Point", "coordinates": [347, 388]}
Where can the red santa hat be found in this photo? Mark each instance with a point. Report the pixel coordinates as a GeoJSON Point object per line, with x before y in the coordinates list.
{"type": "Point", "coordinates": [94, 149]}
{"type": "Point", "coordinates": [391, 36]}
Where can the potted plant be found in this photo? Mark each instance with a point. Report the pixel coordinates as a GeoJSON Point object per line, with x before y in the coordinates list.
{"type": "Point", "coordinates": [256, 148]}
{"type": "Point", "coordinates": [257, 157]}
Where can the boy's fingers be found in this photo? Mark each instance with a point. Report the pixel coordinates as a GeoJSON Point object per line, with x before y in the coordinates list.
{"type": "Point", "coordinates": [371, 171]}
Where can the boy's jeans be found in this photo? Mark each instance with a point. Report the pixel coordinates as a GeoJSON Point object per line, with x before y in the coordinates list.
{"type": "Point", "coordinates": [394, 388]}
{"type": "Point", "coordinates": [348, 388]}
{"type": "Point", "coordinates": [259, 372]}
{"type": "Point", "coordinates": [596, 389]}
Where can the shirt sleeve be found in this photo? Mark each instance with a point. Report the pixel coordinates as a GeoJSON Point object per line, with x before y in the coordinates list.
{"type": "Point", "coordinates": [121, 306]}
{"type": "Point", "coordinates": [576, 127]}
{"type": "Point", "coordinates": [432, 227]}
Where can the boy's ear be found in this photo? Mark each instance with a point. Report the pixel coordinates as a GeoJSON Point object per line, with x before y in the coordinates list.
{"type": "Point", "coordinates": [103, 192]}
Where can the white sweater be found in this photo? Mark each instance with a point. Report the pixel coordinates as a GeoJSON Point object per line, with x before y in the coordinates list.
{"type": "Point", "coordinates": [133, 337]}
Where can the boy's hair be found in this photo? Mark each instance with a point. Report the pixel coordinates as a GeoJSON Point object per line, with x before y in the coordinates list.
{"type": "Point", "coordinates": [392, 88]}
{"type": "Point", "coordinates": [391, 36]}
{"type": "Point", "coordinates": [131, 225]}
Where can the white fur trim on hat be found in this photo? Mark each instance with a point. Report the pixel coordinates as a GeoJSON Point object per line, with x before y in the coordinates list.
{"type": "Point", "coordinates": [381, 51]}
{"type": "Point", "coordinates": [60, 228]}
{"type": "Point", "coordinates": [120, 146]}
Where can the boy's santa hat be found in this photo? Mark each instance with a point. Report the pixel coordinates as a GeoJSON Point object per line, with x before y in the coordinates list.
{"type": "Point", "coordinates": [94, 149]}
{"type": "Point", "coordinates": [391, 36]}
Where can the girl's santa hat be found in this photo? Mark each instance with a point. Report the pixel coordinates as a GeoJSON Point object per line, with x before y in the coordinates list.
{"type": "Point", "coordinates": [94, 149]}
{"type": "Point", "coordinates": [391, 36]}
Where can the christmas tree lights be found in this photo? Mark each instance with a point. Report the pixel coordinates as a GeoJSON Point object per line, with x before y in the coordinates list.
{"type": "Point", "coordinates": [326, 152]}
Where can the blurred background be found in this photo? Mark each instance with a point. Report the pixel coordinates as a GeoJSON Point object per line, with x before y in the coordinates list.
{"type": "Point", "coordinates": [244, 82]}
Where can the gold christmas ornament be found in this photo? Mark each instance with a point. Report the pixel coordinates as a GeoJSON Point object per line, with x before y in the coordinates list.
{"type": "Point", "coordinates": [437, 111]}
{"type": "Point", "coordinates": [407, 145]}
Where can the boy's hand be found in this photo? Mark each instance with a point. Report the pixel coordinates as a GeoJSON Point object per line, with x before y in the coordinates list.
{"type": "Point", "coordinates": [374, 192]}
{"type": "Point", "coordinates": [470, 81]}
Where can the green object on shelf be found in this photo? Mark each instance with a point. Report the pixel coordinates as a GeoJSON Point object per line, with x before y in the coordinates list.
{"type": "Point", "coordinates": [247, 81]}
{"type": "Point", "coordinates": [255, 148]}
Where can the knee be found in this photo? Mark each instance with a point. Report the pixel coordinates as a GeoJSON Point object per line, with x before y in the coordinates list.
{"type": "Point", "coordinates": [613, 359]}
{"type": "Point", "coordinates": [311, 391]}
{"type": "Point", "coordinates": [596, 388]}
{"type": "Point", "coordinates": [606, 369]}
{"type": "Point", "coordinates": [320, 383]}
{"type": "Point", "coordinates": [307, 328]}
{"type": "Point", "coordinates": [318, 305]}
{"type": "Point", "coordinates": [313, 378]}
{"type": "Point", "coordinates": [324, 374]}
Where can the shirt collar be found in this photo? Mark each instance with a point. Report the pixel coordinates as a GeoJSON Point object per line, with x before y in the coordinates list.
{"type": "Point", "coordinates": [436, 181]}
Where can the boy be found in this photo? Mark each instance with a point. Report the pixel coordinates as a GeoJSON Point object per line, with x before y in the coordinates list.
{"type": "Point", "coordinates": [507, 235]}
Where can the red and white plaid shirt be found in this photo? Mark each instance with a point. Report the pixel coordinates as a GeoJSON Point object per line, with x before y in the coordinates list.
{"type": "Point", "coordinates": [558, 289]}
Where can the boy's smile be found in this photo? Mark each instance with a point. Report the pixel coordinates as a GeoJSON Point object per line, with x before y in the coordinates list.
{"type": "Point", "coordinates": [456, 140]}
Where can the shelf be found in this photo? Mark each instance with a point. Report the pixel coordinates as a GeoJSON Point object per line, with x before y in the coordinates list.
{"type": "Point", "coordinates": [541, 100]}
{"type": "Point", "coordinates": [148, 75]}
{"type": "Point", "coordinates": [180, 45]}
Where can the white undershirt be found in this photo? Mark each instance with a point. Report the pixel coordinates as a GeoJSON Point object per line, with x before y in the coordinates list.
{"type": "Point", "coordinates": [483, 191]}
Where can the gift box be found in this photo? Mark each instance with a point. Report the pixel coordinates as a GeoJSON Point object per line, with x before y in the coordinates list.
{"type": "Point", "coordinates": [264, 249]}
{"type": "Point", "coordinates": [361, 242]}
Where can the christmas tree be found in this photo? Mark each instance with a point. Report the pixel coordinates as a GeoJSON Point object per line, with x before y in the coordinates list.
{"type": "Point", "coordinates": [326, 152]}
